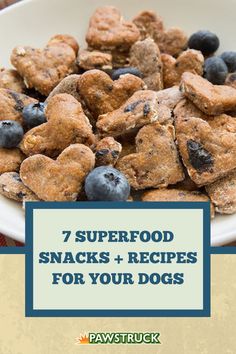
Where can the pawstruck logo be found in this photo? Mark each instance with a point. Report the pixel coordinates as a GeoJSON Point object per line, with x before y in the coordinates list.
{"type": "Point", "coordinates": [119, 338]}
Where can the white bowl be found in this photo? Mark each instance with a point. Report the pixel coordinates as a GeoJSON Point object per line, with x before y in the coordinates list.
{"type": "Point", "coordinates": [33, 22]}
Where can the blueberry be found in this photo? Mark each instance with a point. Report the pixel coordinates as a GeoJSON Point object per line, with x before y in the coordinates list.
{"type": "Point", "coordinates": [106, 184]}
{"type": "Point", "coordinates": [11, 133]}
{"type": "Point", "coordinates": [122, 71]}
{"type": "Point", "coordinates": [34, 115]}
{"type": "Point", "coordinates": [230, 60]}
{"type": "Point", "coordinates": [215, 70]}
{"type": "Point", "coordinates": [205, 41]}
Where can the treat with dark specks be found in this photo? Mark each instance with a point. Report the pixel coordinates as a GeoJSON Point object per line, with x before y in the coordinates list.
{"type": "Point", "coordinates": [107, 152]}
{"type": "Point", "coordinates": [12, 187]}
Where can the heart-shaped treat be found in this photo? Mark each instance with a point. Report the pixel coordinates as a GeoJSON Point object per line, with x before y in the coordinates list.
{"type": "Point", "coordinates": [12, 104]}
{"type": "Point", "coordinates": [170, 97]}
{"type": "Point", "coordinates": [190, 60]}
{"type": "Point", "coordinates": [156, 163]}
{"type": "Point", "coordinates": [210, 99]}
{"type": "Point", "coordinates": [145, 56]}
{"type": "Point", "coordinates": [107, 152]}
{"type": "Point", "coordinates": [146, 21]}
{"type": "Point", "coordinates": [10, 79]}
{"type": "Point", "coordinates": [171, 41]}
{"type": "Point", "coordinates": [208, 148]}
{"type": "Point", "coordinates": [12, 187]}
{"type": "Point", "coordinates": [141, 109]}
{"type": "Point", "coordinates": [67, 85]}
{"type": "Point", "coordinates": [223, 194]}
{"type": "Point", "coordinates": [59, 180]}
{"type": "Point", "coordinates": [108, 31]}
{"type": "Point", "coordinates": [101, 94]}
{"type": "Point", "coordinates": [43, 69]}
{"type": "Point", "coordinates": [185, 108]}
{"type": "Point", "coordinates": [10, 160]}
{"type": "Point", "coordinates": [94, 60]}
{"type": "Point", "coordinates": [176, 195]}
{"type": "Point", "coordinates": [67, 124]}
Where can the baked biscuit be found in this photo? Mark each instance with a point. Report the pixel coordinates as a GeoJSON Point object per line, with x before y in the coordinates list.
{"type": "Point", "coordinates": [107, 152]}
{"type": "Point", "coordinates": [61, 179]}
{"type": "Point", "coordinates": [12, 187]}
{"type": "Point", "coordinates": [145, 56]}
{"type": "Point", "coordinates": [89, 60]}
{"type": "Point", "coordinates": [139, 110]}
{"type": "Point", "coordinates": [10, 160]}
{"type": "Point", "coordinates": [43, 69]}
{"type": "Point", "coordinates": [176, 195]}
{"type": "Point", "coordinates": [156, 162]}
{"type": "Point", "coordinates": [12, 104]}
{"type": "Point", "coordinates": [10, 79]}
{"type": "Point", "coordinates": [101, 94]}
{"type": "Point", "coordinates": [210, 99]}
{"type": "Point", "coordinates": [189, 61]}
{"type": "Point", "coordinates": [208, 148]}
{"type": "Point", "coordinates": [223, 194]}
{"type": "Point", "coordinates": [66, 125]}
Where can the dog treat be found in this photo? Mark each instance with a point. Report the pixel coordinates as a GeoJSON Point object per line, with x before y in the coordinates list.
{"type": "Point", "coordinates": [65, 38]}
{"type": "Point", "coordinates": [139, 110]}
{"type": "Point", "coordinates": [94, 60]}
{"type": "Point", "coordinates": [170, 97]}
{"type": "Point", "coordinates": [59, 180]}
{"type": "Point", "coordinates": [10, 79]}
{"type": "Point", "coordinates": [185, 108]}
{"type": "Point", "coordinates": [223, 194]}
{"type": "Point", "coordinates": [189, 61]}
{"type": "Point", "coordinates": [145, 56]}
{"type": "Point", "coordinates": [127, 142]}
{"type": "Point", "coordinates": [156, 162]}
{"type": "Point", "coordinates": [67, 85]}
{"type": "Point", "coordinates": [146, 21]}
{"type": "Point", "coordinates": [210, 99]}
{"type": "Point", "coordinates": [208, 148]}
{"type": "Point", "coordinates": [12, 187]}
{"type": "Point", "coordinates": [12, 104]}
{"type": "Point", "coordinates": [176, 195]}
{"type": "Point", "coordinates": [165, 114]}
{"type": "Point", "coordinates": [67, 124]}
{"type": "Point", "coordinates": [187, 184]}
{"type": "Point", "coordinates": [107, 152]}
{"type": "Point", "coordinates": [102, 95]}
{"type": "Point", "coordinates": [108, 31]}
{"type": "Point", "coordinates": [43, 69]}
{"type": "Point", "coordinates": [172, 41]}
{"type": "Point", "coordinates": [10, 160]}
